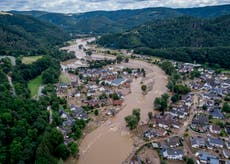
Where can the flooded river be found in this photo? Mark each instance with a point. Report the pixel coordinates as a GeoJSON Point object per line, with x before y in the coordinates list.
{"type": "Point", "coordinates": [111, 143]}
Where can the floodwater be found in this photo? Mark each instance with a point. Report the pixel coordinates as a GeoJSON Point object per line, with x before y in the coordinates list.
{"type": "Point", "coordinates": [75, 47]}
{"type": "Point", "coordinates": [111, 142]}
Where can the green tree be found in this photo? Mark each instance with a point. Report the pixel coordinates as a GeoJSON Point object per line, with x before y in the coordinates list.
{"type": "Point", "coordinates": [133, 120]}
{"type": "Point", "coordinates": [96, 112]}
{"type": "Point", "coordinates": [190, 161]}
{"type": "Point", "coordinates": [15, 151]}
{"type": "Point", "coordinates": [114, 96]}
{"type": "Point", "coordinates": [168, 67]}
{"type": "Point", "coordinates": [226, 107]}
{"type": "Point", "coordinates": [161, 103]}
{"type": "Point", "coordinates": [62, 151]}
{"type": "Point", "coordinates": [143, 88]}
{"type": "Point", "coordinates": [182, 89]}
{"type": "Point", "coordinates": [56, 138]}
{"type": "Point", "coordinates": [73, 147]}
{"type": "Point", "coordinates": [175, 98]}
{"type": "Point", "coordinates": [136, 112]}
{"type": "Point", "coordinates": [77, 133]}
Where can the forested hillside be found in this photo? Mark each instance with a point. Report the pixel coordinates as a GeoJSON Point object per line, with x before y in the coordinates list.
{"type": "Point", "coordinates": [99, 22]}
{"type": "Point", "coordinates": [20, 33]}
{"type": "Point", "coordinates": [26, 133]}
{"type": "Point", "coordinates": [178, 38]}
{"type": "Point", "coordinates": [177, 32]}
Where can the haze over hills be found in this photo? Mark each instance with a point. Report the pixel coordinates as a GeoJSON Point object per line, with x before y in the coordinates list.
{"type": "Point", "coordinates": [119, 21]}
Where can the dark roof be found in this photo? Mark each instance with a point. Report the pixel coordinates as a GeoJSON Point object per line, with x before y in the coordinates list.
{"type": "Point", "coordinates": [215, 141]}
{"type": "Point", "coordinates": [118, 81]}
{"type": "Point", "coordinates": [173, 152]}
{"type": "Point", "coordinates": [216, 113]}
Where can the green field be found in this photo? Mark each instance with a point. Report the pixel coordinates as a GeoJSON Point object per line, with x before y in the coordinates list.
{"type": "Point", "coordinates": [34, 85]}
{"type": "Point", "coordinates": [64, 78]}
{"type": "Point", "coordinates": [30, 59]}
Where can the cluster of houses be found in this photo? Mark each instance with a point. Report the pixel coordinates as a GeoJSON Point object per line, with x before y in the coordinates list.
{"type": "Point", "coordinates": [171, 148]}
{"type": "Point", "coordinates": [173, 118]}
{"type": "Point", "coordinates": [210, 127]}
{"type": "Point", "coordinates": [69, 119]}
{"type": "Point", "coordinates": [210, 121]}
{"type": "Point", "coordinates": [103, 89]}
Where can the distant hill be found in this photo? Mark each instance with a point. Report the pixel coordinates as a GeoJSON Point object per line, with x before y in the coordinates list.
{"type": "Point", "coordinates": [207, 12]}
{"type": "Point", "coordinates": [183, 38]}
{"type": "Point", "coordinates": [182, 31]}
{"type": "Point", "coordinates": [100, 22]}
{"type": "Point", "coordinates": [21, 33]}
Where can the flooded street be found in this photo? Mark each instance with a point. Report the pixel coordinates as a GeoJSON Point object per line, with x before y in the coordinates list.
{"type": "Point", "coordinates": [111, 142]}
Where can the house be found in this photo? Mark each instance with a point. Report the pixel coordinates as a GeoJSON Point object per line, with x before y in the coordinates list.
{"type": "Point", "coordinates": [111, 112]}
{"type": "Point", "coordinates": [63, 85]}
{"type": "Point", "coordinates": [215, 129]}
{"type": "Point", "coordinates": [93, 103]}
{"type": "Point", "coordinates": [117, 102]}
{"type": "Point", "coordinates": [177, 113]}
{"type": "Point", "coordinates": [227, 129]}
{"type": "Point", "coordinates": [175, 124]}
{"type": "Point", "coordinates": [118, 81]}
{"type": "Point", "coordinates": [227, 162]}
{"type": "Point", "coordinates": [68, 123]}
{"type": "Point", "coordinates": [214, 161]}
{"type": "Point", "coordinates": [64, 115]}
{"type": "Point", "coordinates": [172, 154]}
{"type": "Point", "coordinates": [215, 142]}
{"type": "Point", "coordinates": [166, 121]}
{"type": "Point", "coordinates": [149, 134]}
{"type": "Point", "coordinates": [205, 157]}
{"type": "Point", "coordinates": [153, 132]}
{"type": "Point", "coordinates": [155, 145]}
{"type": "Point", "coordinates": [227, 143]}
{"type": "Point", "coordinates": [226, 153]}
{"type": "Point", "coordinates": [79, 113]}
{"type": "Point", "coordinates": [174, 141]}
{"type": "Point", "coordinates": [161, 132]}
{"type": "Point", "coordinates": [216, 113]}
{"type": "Point", "coordinates": [163, 123]}
{"type": "Point", "coordinates": [197, 142]}
{"type": "Point", "coordinates": [200, 122]}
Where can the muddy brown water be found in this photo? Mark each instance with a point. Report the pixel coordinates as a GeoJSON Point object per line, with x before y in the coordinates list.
{"type": "Point", "coordinates": [111, 142]}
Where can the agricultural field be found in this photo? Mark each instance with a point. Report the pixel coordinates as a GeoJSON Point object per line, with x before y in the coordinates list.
{"type": "Point", "coordinates": [34, 85]}
{"type": "Point", "coordinates": [64, 78]}
{"type": "Point", "coordinates": [30, 59]}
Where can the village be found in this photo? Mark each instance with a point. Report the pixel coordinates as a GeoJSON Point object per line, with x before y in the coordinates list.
{"type": "Point", "coordinates": [196, 126]}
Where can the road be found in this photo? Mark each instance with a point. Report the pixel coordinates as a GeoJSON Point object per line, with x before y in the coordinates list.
{"type": "Point", "coordinates": [11, 85]}
{"type": "Point", "coordinates": [12, 59]}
